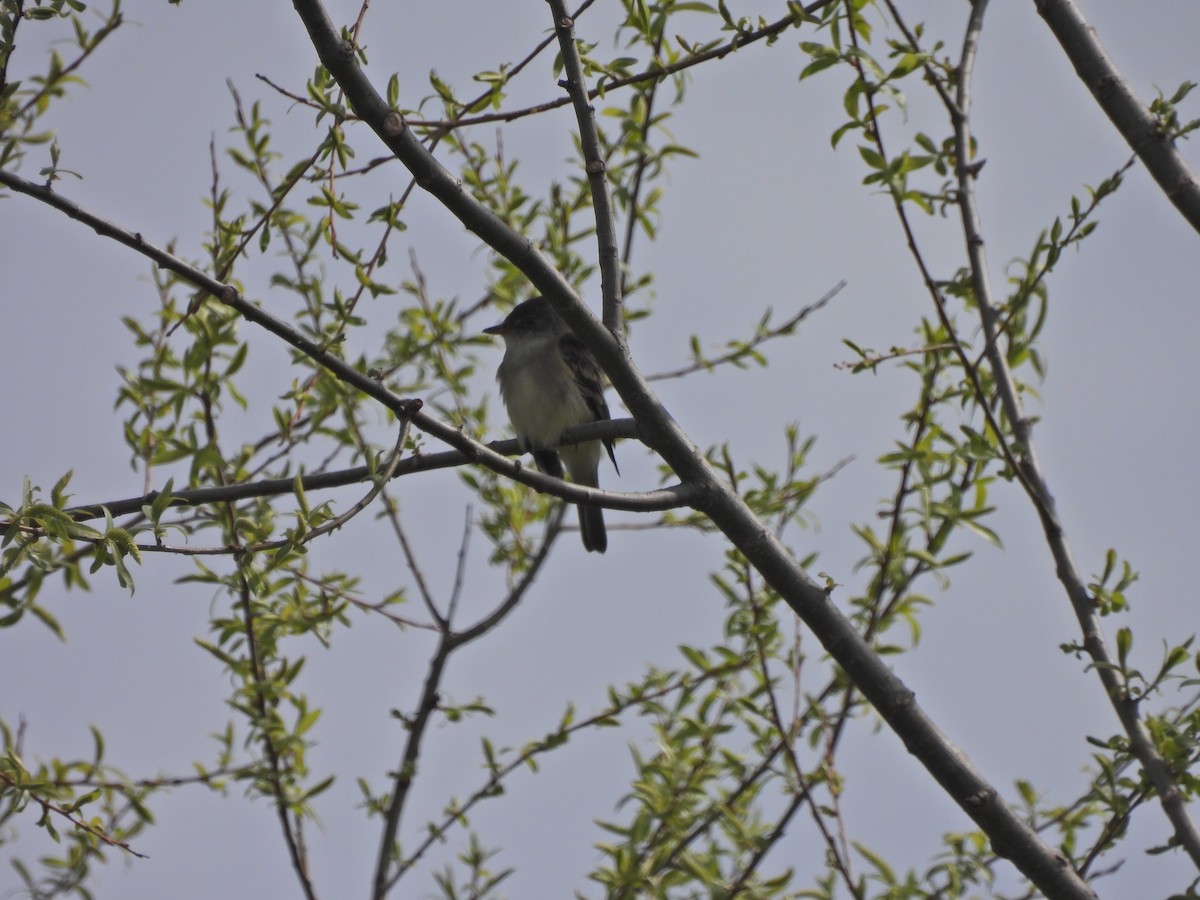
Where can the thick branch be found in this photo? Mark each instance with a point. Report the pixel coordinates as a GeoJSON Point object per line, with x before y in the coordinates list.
{"type": "Point", "coordinates": [1010, 835]}
{"type": "Point", "coordinates": [403, 777]}
{"type": "Point", "coordinates": [1132, 118]}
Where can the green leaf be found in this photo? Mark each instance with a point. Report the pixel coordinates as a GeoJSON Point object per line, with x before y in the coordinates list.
{"type": "Point", "coordinates": [319, 788]}
{"type": "Point", "coordinates": [1124, 645]}
{"type": "Point", "coordinates": [871, 157]}
{"type": "Point", "coordinates": [301, 496]}
{"type": "Point", "coordinates": [58, 495]}
{"type": "Point", "coordinates": [1183, 90]}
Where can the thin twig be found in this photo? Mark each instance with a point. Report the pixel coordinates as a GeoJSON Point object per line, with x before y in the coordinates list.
{"type": "Point", "coordinates": [764, 847]}
{"type": "Point", "coordinates": [51, 86]}
{"type": "Point", "coordinates": [16, 17]}
{"type": "Point", "coordinates": [461, 567]}
{"type": "Point", "coordinates": [589, 140]}
{"type": "Point", "coordinates": [654, 73]}
{"type": "Point", "coordinates": [744, 348]}
{"type": "Point", "coordinates": [643, 160]}
{"type": "Point", "coordinates": [48, 806]}
{"type": "Point", "coordinates": [837, 858]}
{"type": "Point", "coordinates": [410, 559]}
{"type": "Point", "coordinates": [489, 789]}
{"type": "Point", "coordinates": [385, 879]}
{"type": "Point", "coordinates": [875, 359]}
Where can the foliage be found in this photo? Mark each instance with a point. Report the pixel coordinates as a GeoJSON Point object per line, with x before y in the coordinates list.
{"type": "Point", "coordinates": [731, 744]}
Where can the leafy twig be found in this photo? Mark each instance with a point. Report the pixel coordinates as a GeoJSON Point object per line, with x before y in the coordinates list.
{"type": "Point", "coordinates": [740, 350]}
{"type": "Point", "coordinates": [48, 806]}
{"type": "Point", "coordinates": [1033, 479]}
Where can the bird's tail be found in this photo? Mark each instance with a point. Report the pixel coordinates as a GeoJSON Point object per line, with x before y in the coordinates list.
{"type": "Point", "coordinates": [591, 526]}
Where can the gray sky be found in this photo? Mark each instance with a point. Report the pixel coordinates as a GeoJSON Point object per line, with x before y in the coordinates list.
{"type": "Point", "coordinates": [768, 216]}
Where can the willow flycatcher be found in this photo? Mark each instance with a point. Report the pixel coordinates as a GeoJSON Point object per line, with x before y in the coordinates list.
{"type": "Point", "coordinates": [550, 382]}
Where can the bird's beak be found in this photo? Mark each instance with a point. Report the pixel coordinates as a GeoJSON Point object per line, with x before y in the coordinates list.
{"type": "Point", "coordinates": [495, 329]}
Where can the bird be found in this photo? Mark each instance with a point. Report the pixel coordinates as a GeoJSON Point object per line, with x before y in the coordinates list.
{"type": "Point", "coordinates": [550, 382]}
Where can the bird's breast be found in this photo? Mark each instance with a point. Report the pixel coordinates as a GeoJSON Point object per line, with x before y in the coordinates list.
{"type": "Point", "coordinates": [541, 396]}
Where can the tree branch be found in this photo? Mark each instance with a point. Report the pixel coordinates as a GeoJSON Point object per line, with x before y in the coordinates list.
{"type": "Point", "coordinates": [589, 141]}
{"type": "Point", "coordinates": [1034, 481]}
{"type": "Point", "coordinates": [470, 451]}
{"type": "Point", "coordinates": [258, 679]}
{"type": "Point", "coordinates": [1133, 120]}
{"type": "Point", "coordinates": [450, 640]}
{"type": "Point", "coordinates": [49, 806]}
{"type": "Point", "coordinates": [633, 501]}
{"type": "Point", "coordinates": [743, 348]}
{"type": "Point", "coordinates": [1009, 834]}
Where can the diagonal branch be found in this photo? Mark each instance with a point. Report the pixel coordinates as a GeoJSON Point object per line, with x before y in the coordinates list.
{"type": "Point", "coordinates": [468, 450]}
{"type": "Point", "coordinates": [894, 700]}
{"type": "Point", "coordinates": [1131, 117]}
{"type": "Point", "coordinates": [48, 806]}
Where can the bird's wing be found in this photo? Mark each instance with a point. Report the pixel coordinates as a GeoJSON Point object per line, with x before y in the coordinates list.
{"type": "Point", "coordinates": [590, 381]}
